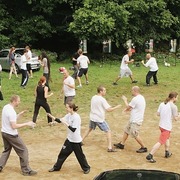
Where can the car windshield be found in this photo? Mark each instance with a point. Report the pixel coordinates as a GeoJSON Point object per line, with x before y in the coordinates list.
{"type": "Point", "coordinates": [19, 51]}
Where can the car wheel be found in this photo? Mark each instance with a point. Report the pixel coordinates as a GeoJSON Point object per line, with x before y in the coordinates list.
{"type": "Point", "coordinates": [17, 69]}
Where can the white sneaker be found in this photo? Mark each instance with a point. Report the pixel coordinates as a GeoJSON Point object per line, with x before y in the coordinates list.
{"type": "Point", "coordinates": [79, 86]}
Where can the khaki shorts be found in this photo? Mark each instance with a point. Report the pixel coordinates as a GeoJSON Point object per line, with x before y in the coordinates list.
{"type": "Point", "coordinates": [132, 129]}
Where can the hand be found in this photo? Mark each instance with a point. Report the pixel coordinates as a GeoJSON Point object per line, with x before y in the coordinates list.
{"type": "Point", "coordinates": [124, 98]}
{"type": "Point", "coordinates": [132, 60]}
{"type": "Point", "coordinates": [31, 124]}
{"type": "Point", "coordinates": [51, 93]}
{"type": "Point", "coordinates": [142, 61]}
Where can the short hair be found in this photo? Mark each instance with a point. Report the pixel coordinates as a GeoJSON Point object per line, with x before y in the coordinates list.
{"type": "Point", "coordinates": [100, 88]}
{"type": "Point", "coordinates": [14, 98]}
{"type": "Point", "coordinates": [80, 51]}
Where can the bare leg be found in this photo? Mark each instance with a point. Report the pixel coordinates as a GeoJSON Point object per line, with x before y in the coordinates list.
{"type": "Point", "coordinates": [86, 76]}
{"type": "Point", "coordinates": [109, 139]}
{"type": "Point", "coordinates": [86, 134]}
{"type": "Point", "coordinates": [139, 140]}
{"type": "Point", "coordinates": [79, 81]}
{"type": "Point", "coordinates": [116, 80]}
{"type": "Point", "coordinates": [155, 148]}
{"type": "Point", "coordinates": [124, 138]}
{"type": "Point", "coordinates": [167, 145]}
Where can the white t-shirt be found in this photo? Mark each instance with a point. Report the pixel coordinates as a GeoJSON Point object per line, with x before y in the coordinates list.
{"type": "Point", "coordinates": [23, 62]}
{"type": "Point", "coordinates": [138, 105]}
{"type": "Point", "coordinates": [167, 112]}
{"type": "Point", "coordinates": [74, 121]}
{"type": "Point", "coordinates": [98, 108]}
{"type": "Point", "coordinates": [67, 90]}
{"type": "Point", "coordinates": [83, 61]}
{"type": "Point", "coordinates": [123, 62]}
{"type": "Point", "coordinates": [29, 55]}
{"type": "Point", "coordinates": [8, 115]}
{"type": "Point", "coordinates": [152, 64]}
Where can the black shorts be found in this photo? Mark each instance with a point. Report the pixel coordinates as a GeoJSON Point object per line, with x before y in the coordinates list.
{"type": "Point", "coordinates": [82, 71]}
{"type": "Point", "coordinates": [28, 67]}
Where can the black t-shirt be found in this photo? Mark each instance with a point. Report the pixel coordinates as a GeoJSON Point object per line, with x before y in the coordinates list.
{"type": "Point", "coordinates": [75, 56]}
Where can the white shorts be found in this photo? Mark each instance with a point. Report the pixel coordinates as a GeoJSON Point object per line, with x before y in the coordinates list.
{"type": "Point", "coordinates": [125, 72]}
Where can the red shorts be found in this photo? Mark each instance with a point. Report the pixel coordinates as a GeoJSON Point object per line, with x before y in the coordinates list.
{"type": "Point", "coordinates": [165, 135]}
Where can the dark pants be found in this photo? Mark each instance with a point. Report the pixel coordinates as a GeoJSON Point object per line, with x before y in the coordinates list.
{"type": "Point", "coordinates": [19, 147]}
{"type": "Point", "coordinates": [75, 71]}
{"type": "Point", "coordinates": [47, 80]}
{"type": "Point", "coordinates": [37, 106]}
{"type": "Point", "coordinates": [25, 77]}
{"type": "Point", "coordinates": [66, 150]}
{"type": "Point", "coordinates": [151, 74]}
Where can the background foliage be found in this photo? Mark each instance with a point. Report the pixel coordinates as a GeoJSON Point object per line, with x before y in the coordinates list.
{"type": "Point", "coordinates": [59, 25]}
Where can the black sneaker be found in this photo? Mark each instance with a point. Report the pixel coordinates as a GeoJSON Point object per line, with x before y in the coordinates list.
{"type": "Point", "coordinates": [119, 145]}
{"type": "Point", "coordinates": [134, 81]}
{"type": "Point", "coordinates": [142, 150]}
{"type": "Point", "coordinates": [114, 83]}
{"type": "Point", "coordinates": [30, 173]}
{"type": "Point", "coordinates": [149, 157]}
{"type": "Point", "coordinates": [168, 154]}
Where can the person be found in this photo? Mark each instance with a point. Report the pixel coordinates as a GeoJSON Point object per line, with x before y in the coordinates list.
{"type": "Point", "coordinates": [99, 106]}
{"type": "Point", "coordinates": [46, 68]}
{"type": "Point", "coordinates": [124, 69]}
{"type": "Point", "coordinates": [11, 138]}
{"type": "Point", "coordinates": [1, 95]}
{"type": "Point", "coordinates": [29, 56]}
{"type": "Point", "coordinates": [24, 72]}
{"type": "Point", "coordinates": [137, 108]}
{"type": "Point", "coordinates": [73, 142]}
{"type": "Point", "coordinates": [82, 62]}
{"type": "Point", "coordinates": [167, 111]}
{"type": "Point", "coordinates": [41, 94]}
{"type": "Point", "coordinates": [75, 67]}
{"type": "Point", "coordinates": [68, 87]}
{"type": "Point", "coordinates": [12, 62]}
{"type": "Point", "coordinates": [152, 64]}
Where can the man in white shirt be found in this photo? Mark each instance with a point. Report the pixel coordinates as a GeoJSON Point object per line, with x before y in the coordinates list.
{"type": "Point", "coordinates": [124, 68]}
{"type": "Point", "coordinates": [82, 62]}
{"type": "Point", "coordinates": [137, 107]}
{"type": "Point", "coordinates": [99, 106]}
{"type": "Point", "coordinates": [11, 138]}
{"type": "Point", "coordinates": [68, 87]}
{"type": "Point", "coordinates": [152, 64]}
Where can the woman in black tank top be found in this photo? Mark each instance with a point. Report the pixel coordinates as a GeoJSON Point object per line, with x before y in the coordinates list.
{"type": "Point", "coordinates": [41, 93]}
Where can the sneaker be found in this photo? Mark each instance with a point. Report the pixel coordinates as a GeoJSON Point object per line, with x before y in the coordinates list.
{"type": "Point", "coordinates": [134, 81]}
{"type": "Point", "coordinates": [52, 170]}
{"type": "Point", "coordinates": [87, 82]}
{"type": "Point", "coordinates": [142, 150]}
{"type": "Point", "coordinates": [79, 86]}
{"type": "Point", "coordinates": [149, 157]}
{"type": "Point", "coordinates": [87, 171]}
{"type": "Point", "coordinates": [1, 168]}
{"type": "Point", "coordinates": [119, 145]}
{"type": "Point", "coordinates": [111, 150]}
{"type": "Point", "coordinates": [168, 154]}
{"type": "Point", "coordinates": [114, 83]}
{"type": "Point", "coordinates": [30, 173]}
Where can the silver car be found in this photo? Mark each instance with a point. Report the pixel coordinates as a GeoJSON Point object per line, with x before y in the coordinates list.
{"type": "Point", "coordinates": [4, 60]}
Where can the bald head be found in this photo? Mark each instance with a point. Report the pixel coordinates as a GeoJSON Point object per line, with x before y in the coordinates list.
{"type": "Point", "coordinates": [135, 90]}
